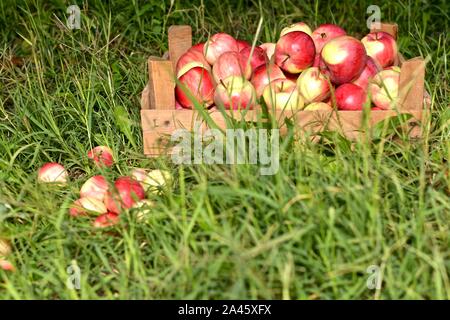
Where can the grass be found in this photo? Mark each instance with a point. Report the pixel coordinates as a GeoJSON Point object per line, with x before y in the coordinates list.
{"type": "Point", "coordinates": [308, 232]}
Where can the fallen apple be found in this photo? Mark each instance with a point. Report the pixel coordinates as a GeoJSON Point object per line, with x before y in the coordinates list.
{"type": "Point", "coordinates": [6, 265]}
{"type": "Point", "coordinates": [152, 180]}
{"type": "Point", "coordinates": [235, 93]}
{"type": "Point", "coordinates": [382, 47]}
{"type": "Point", "coordinates": [231, 63]}
{"type": "Point", "coordinates": [217, 45]}
{"type": "Point", "coordinates": [102, 156]}
{"type": "Point", "coordinates": [295, 52]}
{"type": "Point", "coordinates": [86, 205]}
{"type": "Point", "coordinates": [263, 75]}
{"type": "Point", "coordinates": [53, 172]}
{"type": "Point", "coordinates": [351, 97]}
{"type": "Point", "coordinates": [95, 187]}
{"type": "Point", "coordinates": [384, 88]}
{"type": "Point", "coordinates": [126, 193]}
{"type": "Point", "coordinates": [282, 94]}
{"type": "Point", "coordinates": [143, 209]}
{"type": "Point", "coordinates": [313, 85]}
{"type": "Point", "coordinates": [106, 220]}
{"type": "Point", "coordinates": [195, 86]}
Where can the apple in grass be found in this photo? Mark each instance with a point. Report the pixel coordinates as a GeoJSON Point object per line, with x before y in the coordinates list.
{"type": "Point", "coordinates": [295, 52]}
{"type": "Point", "coordinates": [384, 88]}
{"type": "Point", "coordinates": [231, 64]}
{"type": "Point", "coordinates": [105, 220]}
{"type": "Point", "coordinates": [86, 205]}
{"type": "Point", "coordinates": [382, 47]}
{"type": "Point", "coordinates": [325, 33]}
{"type": "Point", "coordinates": [53, 172]}
{"type": "Point", "coordinates": [263, 75]}
{"type": "Point", "coordinates": [152, 180]}
{"type": "Point", "coordinates": [313, 85]}
{"type": "Point", "coordinates": [217, 45]}
{"type": "Point", "coordinates": [351, 97]}
{"type": "Point", "coordinates": [369, 71]}
{"type": "Point", "coordinates": [269, 49]}
{"type": "Point", "coordinates": [299, 26]}
{"type": "Point", "coordinates": [189, 60]}
{"type": "Point", "coordinates": [126, 193]}
{"type": "Point", "coordinates": [258, 57]}
{"type": "Point", "coordinates": [343, 59]}
{"type": "Point", "coordinates": [235, 93]}
{"type": "Point", "coordinates": [96, 187]}
{"type": "Point", "coordinates": [195, 86]}
{"type": "Point", "coordinates": [102, 156]}
{"type": "Point", "coordinates": [282, 94]}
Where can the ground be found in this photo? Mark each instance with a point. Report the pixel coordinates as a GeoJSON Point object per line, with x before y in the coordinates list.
{"type": "Point", "coordinates": [334, 213]}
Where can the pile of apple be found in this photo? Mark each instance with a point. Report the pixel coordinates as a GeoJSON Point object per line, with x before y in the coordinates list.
{"type": "Point", "coordinates": [107, 201]}
{"type": "Point", "coordinates": [311, 70]}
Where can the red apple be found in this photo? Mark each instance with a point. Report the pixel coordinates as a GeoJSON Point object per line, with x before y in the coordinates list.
{"type": "Point", "coordinates": [282, 94]}
{"type": "Point", "coordinates": [318, 106]}
{"type": "Point", "coordinates": [325, 33]}
{"type": "Point", "coordinates": [369, 71]}
{"type": "Point", "coordinates": [384, 88]}
{"type": "Point", "coordinates": [269, 49]}
{"type": "Point", "coordinates": [242, 44]}
{"type": "Point", "coordinates": [343, 59]}
{"type": "Point", "coordinates": [178, 105]}
{"type": "Point", "coordinates": [316, 60]}
{"type": "Point", "coordinates": [258, 57]}
{"type": "Point", "coordinates": [349, 96]}
{"type": "Point", "coordinates": [96, 187]}
{"type": "Point", "coordinates": [299, 26]}
{"type": "Point", "coordinates": [126, 192]}
{"type": "Point", "coordinates": [235, 93]}
{"type": "Point", "coordinates": [6, 265]}
{"type": "Point", "coordinates": [198, 83]}
{"type": "Point", "coordinates": [218, 44]}
{"type": "Point", "coordinates": [102, 156]}
{"type": "Point", "coordinates": [263, 75]}
{"type": "Point", "coordinates": [199, 47]}
{"type": "Point", "coordinates": [377, 109]}
{"type": "Point", "coordinates": [231, 64]}
{"type": "Point", "coordinates": [53, 172]}
{"type": "Point", "coordinates": [382, 47]}
{"type": "Point", "coordinates": [295, 52]}
{"type": "Point", "coordinates": [313, 85]}
{"type": "Point", "coordinates": [189, 60]}
{"type": "Point", "coordinates": [106, 220]}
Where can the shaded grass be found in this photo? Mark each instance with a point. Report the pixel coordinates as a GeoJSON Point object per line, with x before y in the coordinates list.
{"type": "Point", "coordinates": [311, 231]}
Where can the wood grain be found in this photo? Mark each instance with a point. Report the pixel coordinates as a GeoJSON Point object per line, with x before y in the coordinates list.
{"type": "Point", "coordinates": [180, 40]}
{"type": "Point", "coordinates": [161, 84]}
{"type": "Point", "coordinates": [412, 84]}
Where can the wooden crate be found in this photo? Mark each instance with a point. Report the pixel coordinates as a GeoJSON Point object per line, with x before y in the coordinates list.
{"type": "Point", "coordinates": [159, 117]}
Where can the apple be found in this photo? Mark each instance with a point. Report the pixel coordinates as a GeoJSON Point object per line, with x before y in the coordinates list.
{"type": "Point", "coordinates": [343, 59]}
{"type": "Point", "coordinates": [369, 71]}
{"type": "Point", "coordinates": [105, 220]}
{"type": "Point", "coordinates": [299, 26]}
{"type": "Point", "coordinates": [189, 60]}
{"type": "Point", "coordinates": [235, 93]}
{"type": "Point", "coordinates": [178, 105]}
{"type": "Point", "coordinates": [349, 96]}
{"type": "Point", "coordinates": [282, 94]}
{"type": "Point", "coordinates": [242, 44]}
{"type": "Point", "coordinates": [96, 187]}
{"type": "Point", "coordinates": [87, 204]}
{"type": "Point", "coordinates": [377, 109]}
{"type": "Point", "coordinates": [143, 208]}
{"type": "Point", "coordinates": [318, 106]}
{"type": "Point", "coordinates": [263, 75]}
{"type": "Point", "coordinates": [325, 33]}
{"type": "Point", "coordinates": [127, 191]}
{"type": "Point", "coordinates": [151, 180]}
{"type": "Point", "coordinates": [6, 265]}
{"type": "Point", "coordinates": [269, 49]}
{"type": "Point", "coordinates": [218, 44]}
{"type": "Point", "coordinates": [316, 60]}
{"type": "Point", "coordinates": [199, 47]}
{"type": "Point", "coordinates": [384, 88]}
{"type": "Point", "coordinates": [198, 83]}
{"type": "Point", "coordinates": [53, 172]}
{"type": "Point", "coordinates": [231, 64]}
{"type": "Point", "coordinates": [258, 58]}
{"type": "Point", "coordinates": [295, 52]}
{"type": "Point", "coordinates": [313, 85]}
{"type": "Point", "coordinates": [102, 156]}
{"type": "Point", "coordinates": [382, 47]}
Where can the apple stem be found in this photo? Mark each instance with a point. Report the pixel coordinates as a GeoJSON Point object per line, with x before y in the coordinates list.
{"type": "Point", "coordinates": [323, 35]}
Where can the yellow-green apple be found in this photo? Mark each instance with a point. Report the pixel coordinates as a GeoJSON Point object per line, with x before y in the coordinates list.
{"type": "Point", "coordinates": [126, 193]}
{"type": "Point", "coordinates": [86, 205]}
{"type": "Point", "coordinates": [258, 58]}
{"type": "Point", "coordinates": [384, 88]}
{"type": "Point", "coordinates": [152, 180]}
{"type": "Point", "coordinates": [382, 47]}
{"type": "Point", "coordinates": [318, 106]}
{"type": "Point", "coordinates": [53, 172]}
{"type": "Point", "coordinates": [325, 33]}
{"type": "Point", "coordinates": [369, 71]}
{"type": "Point", "coordinates": [343, 59]}
{"type": "Point", "coordinates": [313, 85]}
{"type": "Point", "coordinates": [96, 187]}
{"type": "Point", "coordinates": [191, 59]}
{"type": "Point", "coordinates": [269, 49]}
{"type": "Point", "coordinates": [235, 93]}
{"type": "Point", "coordinates": [231, 63]}
{"type": "Point", "coordinates": [242, 44]}
{"type": "Point", "coordinates": [195, 86]}
{"type": "Point", "coordinates": [218, 44]}
{"type": "Point", "coordinates": [295, 52]}
{"type": "Point", "coordinates": [263, 75]}
{"type": "Point", "coordinates": [349, 96]}
{"type": "Point", "coordinates": [282, 94]}
{"type": "Point", "coordinates": [102, 156]}
{"type": "Point", "coordinates": [105, 220]}
{"type": "Point", "coordinates": [299, 26]}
